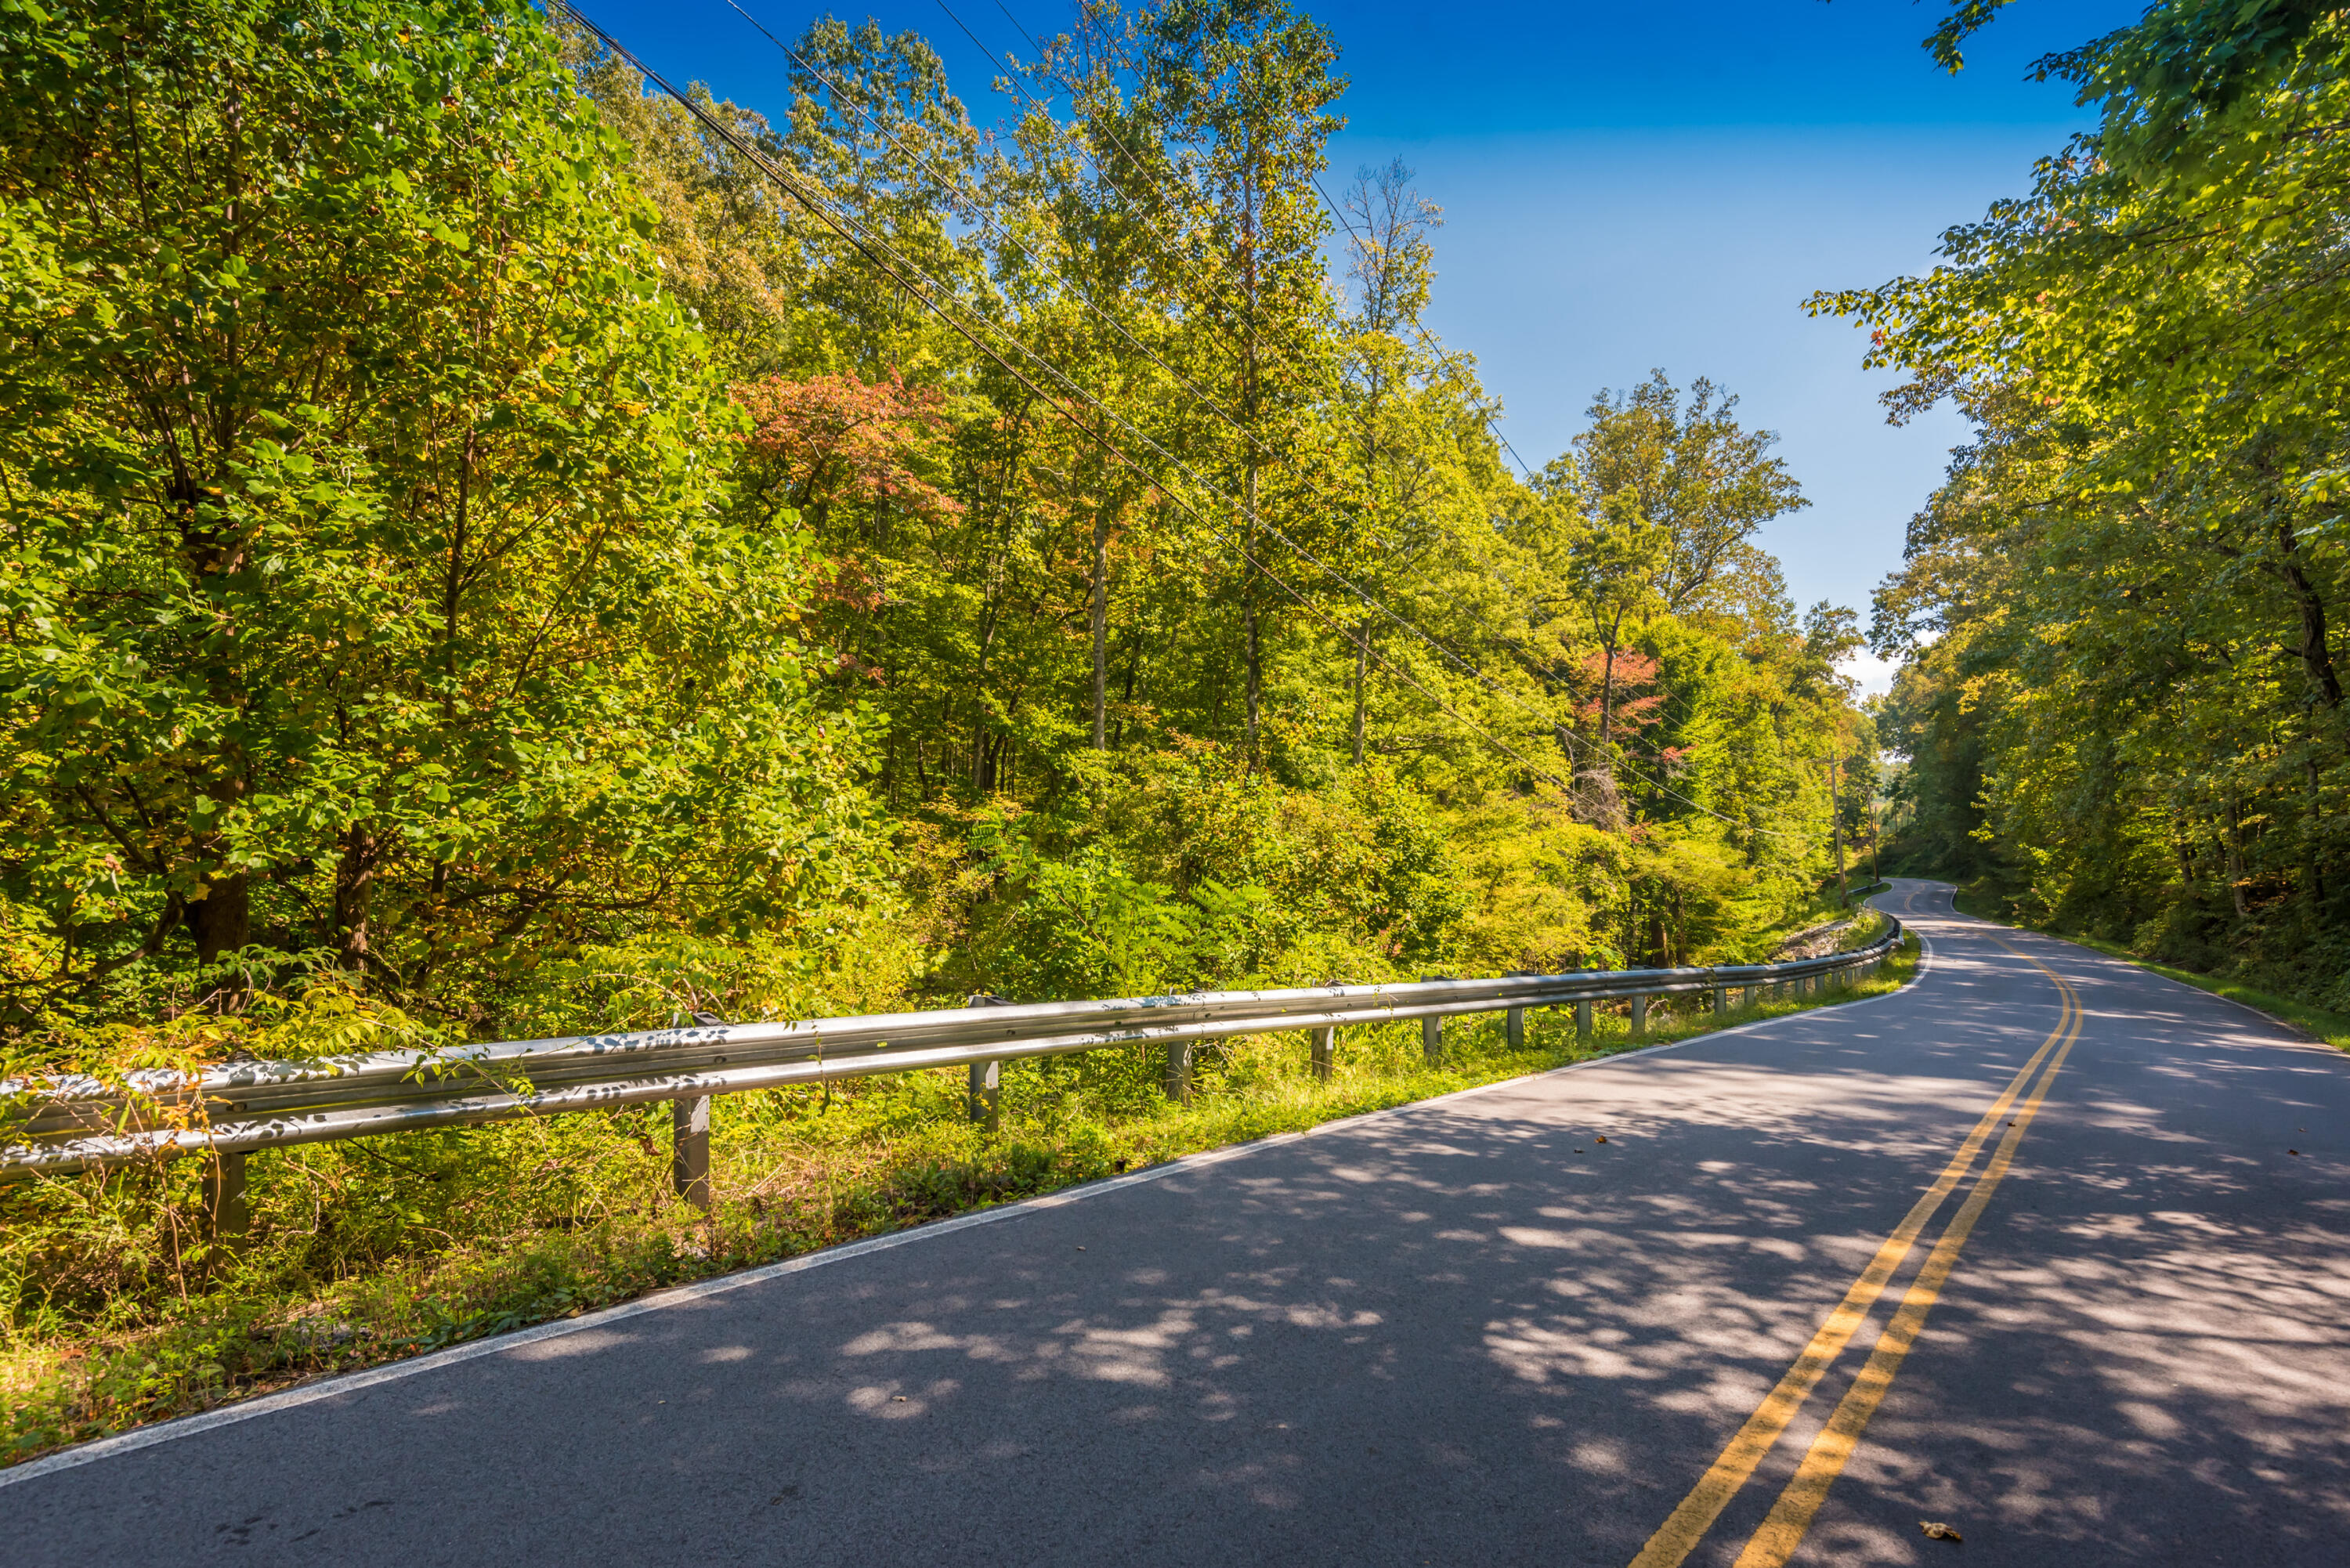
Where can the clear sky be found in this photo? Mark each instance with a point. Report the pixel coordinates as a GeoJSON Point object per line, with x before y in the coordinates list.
{"type": "Point", "coordinates": [1626, 187]}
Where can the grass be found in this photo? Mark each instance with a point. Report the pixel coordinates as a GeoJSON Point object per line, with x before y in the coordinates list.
{"type": "Point", "coordinates": [119, 1313]}
{"type": "Point", "coordinates": [2317, 1022]}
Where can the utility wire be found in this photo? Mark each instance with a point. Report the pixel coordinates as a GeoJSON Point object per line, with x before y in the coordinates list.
{"type": "Point", "coordinates": [1202, 482]}
{"type": "Point", "coordinates": [1344, 222]}
{"type": "Point", "coordinates": [791, 185]}
{"type": "Point", "coordinates": [990, 225]}
{"type": "Point", "coordinates": [1015, 70]}
{"type": "Point", "coordinates": [1303, 553]}
{"type": "Point", "coordinates": [1492, 425]}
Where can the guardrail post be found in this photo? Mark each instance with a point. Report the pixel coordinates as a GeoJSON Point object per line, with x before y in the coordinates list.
{"type": "Point", "coordinates": [1721, 1001]}
{"type": "Point", "coordinates": [1431, 1039]}
{"type": "Point", "coordinates": [985, 1097]}
{"type": "Point", "coordinates": [1583, 1024]}
{"type": "Point", "coordinates": [1326, 1042]}
{"type": "Point", "coordinates": [1514, 1028]}
{"type": "Point", "coordinates": [689, 1155]}
{"type": "Point", "coordinates": [1639, 1017]}
{"type": "Point", "coordinates": [1179, 1071]}
{"type": "Point", "coordinates": [227, 1213]}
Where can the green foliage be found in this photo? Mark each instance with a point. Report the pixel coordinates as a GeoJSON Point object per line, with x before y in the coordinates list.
{"type": "Point", "coordinates": [2125, 709]}
{"type": "Point", "coordinates": [371, 580]}
{"type": "Point", "coordinates": [367, 1251]}
{"type": "Point", "coordinates": [478, 561]}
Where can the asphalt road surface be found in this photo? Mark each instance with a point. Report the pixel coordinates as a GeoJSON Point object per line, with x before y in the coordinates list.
{"type": "Point", "coordinates": [2024, 1250]}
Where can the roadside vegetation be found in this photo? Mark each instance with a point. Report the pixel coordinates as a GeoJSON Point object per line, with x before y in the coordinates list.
{"type": "Point", "coordinates": [2317, 1022]}
{"type": "Point", "coordinates": [2123, 701]}
{"type": "Point", "coordinates": [372, 1250]}
{"type": "Point", "coordinates": [488, 551]}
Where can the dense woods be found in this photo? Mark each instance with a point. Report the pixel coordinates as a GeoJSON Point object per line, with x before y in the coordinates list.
{"type": "Point", "coordinates": [491, 547]}
{"type": "Point", "coordinates": [494, 548]}
{"type": "Point", "coordinates": [2124, 696]}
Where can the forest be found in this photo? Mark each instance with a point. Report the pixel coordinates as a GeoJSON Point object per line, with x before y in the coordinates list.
{"type": "Point", "coordinates": [2122, 701]}
{"type": "Point", "coordinates": [497, 546]}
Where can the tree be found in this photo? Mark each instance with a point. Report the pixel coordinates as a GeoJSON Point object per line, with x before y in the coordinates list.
{"type": "Point", "coordinates": [1655, 516]}
{"type": "Point", "coordinates": [372, 583]}
{"type": "Point", "coordinates": [1242, 90]}
{"type": "Point", "coordinates": [2134, 709]}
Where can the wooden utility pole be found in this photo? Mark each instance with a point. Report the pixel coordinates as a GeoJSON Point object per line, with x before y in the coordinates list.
{"type": "Point", "coordinates": [1835, 826]}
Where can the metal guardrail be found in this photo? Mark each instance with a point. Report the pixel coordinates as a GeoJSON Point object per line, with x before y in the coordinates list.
{"type": "Point", "coordinates": [72, 1124]}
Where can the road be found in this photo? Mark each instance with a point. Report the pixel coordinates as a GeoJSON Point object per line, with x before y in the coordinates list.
{"type": "Point", "coordinates": [2022, 1249]}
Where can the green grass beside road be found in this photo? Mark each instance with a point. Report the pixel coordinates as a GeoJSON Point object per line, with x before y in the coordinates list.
{"type": "Point", "coordinates": [365, 1252]}
{"type": "Point", "coordinates": [2315, 1022]}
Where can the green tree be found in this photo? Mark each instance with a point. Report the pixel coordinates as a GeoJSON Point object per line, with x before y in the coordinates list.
{"type": "Point", "coordinates": [371, 581]}
{"type": "Point", "coordinates": [2123, 609]}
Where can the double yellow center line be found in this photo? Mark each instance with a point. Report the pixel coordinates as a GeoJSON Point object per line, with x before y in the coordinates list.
{"type": "Point", "coordinates": [1791, 1516]}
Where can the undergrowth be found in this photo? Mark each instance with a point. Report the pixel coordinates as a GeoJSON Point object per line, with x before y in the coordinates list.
{"type": "Point", "coordinates": [117, 1312]}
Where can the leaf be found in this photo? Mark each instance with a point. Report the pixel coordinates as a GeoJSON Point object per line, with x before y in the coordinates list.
{"type": "Point", "coordinates": [1937, 1531]}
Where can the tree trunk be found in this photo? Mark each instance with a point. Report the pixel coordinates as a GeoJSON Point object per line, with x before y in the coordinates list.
{"type": "Point", "coordinates": [223, 918]}
{"type": "Point", "coordinates": [1362, 664]}
{"type": "Point", "coordinates": [2236, 856]}
{"type": "Point", "coordinates": [2313, 877]}
{"type": "Point", "coordinates": [2315, 650]}
{"type": "Point", "coordinates": [1101, 628]}
{"type": "Point", "coordinates": [1248, 614]}
{"type": "Point", "coordinates": [1605, 805]}
{"type": "Point", "coordinates": [354, 882]}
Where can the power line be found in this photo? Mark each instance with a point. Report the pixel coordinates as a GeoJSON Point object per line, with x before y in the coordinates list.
{"type": "Point", "coordinates": [1548, 721]}
{"type": "Point", "coordinates": [1491, 426]}
{"type": "Point", "coordinates": [1337, 212]}
{"type": "Point", "coordinates": [792, 186]}
{"type": "Point", "coordinates": [1279, 534]}
{"type": "Point", "coordinates": [997, 231]}
{"type": "Point", "coordinates": [1165, 243]}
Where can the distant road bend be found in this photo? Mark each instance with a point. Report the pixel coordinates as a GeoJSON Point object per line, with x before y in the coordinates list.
{"type": "Point", "coordinates": [2025, 1250]}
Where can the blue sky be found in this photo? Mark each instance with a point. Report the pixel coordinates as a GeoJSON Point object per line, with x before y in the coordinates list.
{"type": "Point", "coordinates": [1627, 187]}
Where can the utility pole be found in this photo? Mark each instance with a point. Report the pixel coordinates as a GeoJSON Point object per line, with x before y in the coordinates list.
{"type": "Point", "coordinates": [1876, 841]}
{"type": "Point", "coordinates": [1835, 825]}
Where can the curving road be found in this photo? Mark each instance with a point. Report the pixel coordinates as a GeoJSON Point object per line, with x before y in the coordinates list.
{"type": "Point", "coordinates": [2021, 1250]}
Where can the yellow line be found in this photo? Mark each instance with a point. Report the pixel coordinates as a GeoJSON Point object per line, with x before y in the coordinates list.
{"type": "Point", "coordinates": [1679, 1534]}
{"type": "Point", "coordinates": [1792, 1515]}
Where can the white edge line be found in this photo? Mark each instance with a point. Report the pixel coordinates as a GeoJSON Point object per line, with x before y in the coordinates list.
{"type": "Point", "coordinates": [356, 1382]}
{"type": "Point", "coordinates": [2299, 1037]}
